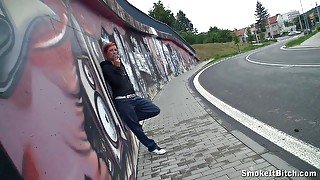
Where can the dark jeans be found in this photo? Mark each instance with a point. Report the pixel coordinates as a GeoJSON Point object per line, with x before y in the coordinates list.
{"type": "Point", "coordinates": [134, 110]}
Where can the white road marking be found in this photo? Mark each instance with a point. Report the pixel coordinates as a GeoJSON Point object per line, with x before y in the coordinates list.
{"type": "Point", "coordinates": [279, 64]}
{"type": "Point", "coordinates": [301, 48]}
{"type": "Point", "coordinates": [301, 149]}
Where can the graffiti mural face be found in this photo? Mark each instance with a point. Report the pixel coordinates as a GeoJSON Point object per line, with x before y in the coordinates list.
{"type": "Point", "coordinates": [57, 117]}
{"type": "Point", "coordinates": [52, 92]}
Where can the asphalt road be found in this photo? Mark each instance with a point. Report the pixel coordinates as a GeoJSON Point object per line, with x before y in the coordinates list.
{"type": "Point", "coordinates": [282, 91]}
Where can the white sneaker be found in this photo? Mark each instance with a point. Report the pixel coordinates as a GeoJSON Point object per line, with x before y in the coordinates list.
{"type": "Point", "coordinates": [159, 151]}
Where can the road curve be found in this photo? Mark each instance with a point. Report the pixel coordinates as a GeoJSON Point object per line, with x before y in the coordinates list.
{"type": "Point", "coordinates": [272, 101]}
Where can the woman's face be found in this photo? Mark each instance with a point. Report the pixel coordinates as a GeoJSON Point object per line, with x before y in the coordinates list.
{"type": "Point", "coordinates": [111, 53]}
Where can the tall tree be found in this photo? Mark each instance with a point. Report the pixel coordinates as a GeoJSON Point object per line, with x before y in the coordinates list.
{"type": "Point", "coordinates": [261, 14]}
{"type": "Point", "coordinates": [183, 23]}
{"type": "Point", "coordinates": [162, 14]}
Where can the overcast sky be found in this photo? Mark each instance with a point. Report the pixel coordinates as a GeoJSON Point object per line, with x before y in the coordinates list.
{"type": "Point", "coordinates": [225, 14]}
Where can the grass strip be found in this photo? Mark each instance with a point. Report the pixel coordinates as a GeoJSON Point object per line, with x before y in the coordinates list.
{"type": "Point", "coordinates": [218, 51]}
{"type": "Point", "coordinates": [299, 40]}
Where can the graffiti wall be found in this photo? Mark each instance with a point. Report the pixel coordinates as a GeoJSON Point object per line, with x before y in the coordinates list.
{"type": "Point", "coordinates": [57, 118]}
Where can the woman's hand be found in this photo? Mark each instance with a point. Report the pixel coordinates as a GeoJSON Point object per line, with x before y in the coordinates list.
{"type": "Point", "coordinates": [116, 62]}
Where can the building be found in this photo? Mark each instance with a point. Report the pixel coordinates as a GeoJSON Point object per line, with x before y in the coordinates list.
{"type": "Point", "coordinates": [274, 26]}
{"type": "Point", "coordinates": [241, 34]}
{"type": "Point", "coordinates": [289, 16]}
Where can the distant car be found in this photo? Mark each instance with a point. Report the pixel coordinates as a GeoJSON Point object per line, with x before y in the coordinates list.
{"type": "Point", "coordinates": [293, 33]}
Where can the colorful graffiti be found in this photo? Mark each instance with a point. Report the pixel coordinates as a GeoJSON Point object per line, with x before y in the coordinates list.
{"type": "Point", "coordinates": [57, 118]}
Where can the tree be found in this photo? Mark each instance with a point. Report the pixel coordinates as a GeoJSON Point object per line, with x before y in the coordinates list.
{"type": "Point", "coordinates": [183, 23]}
{"type": "Point", "coordinates": [236, 40]}
{"type": "Point", "coordinates": [164, 15]}
{"type": "Point", "coordinates": [200, 38]}
{"type": "Point", "coordinates": [215, 28]}
{"type": "Point", "coordinates": [217, 35]}
{"type": "Point", "coordinates": [189, 37]}
{"type": "Point", "coordinates": [261, 18]}
{"type": "Point", "coordinates": [195, 31]}
{"type": "Point", "coordinates": [184, 27]}
{"type": "Point", "coordinates": [249, 34]}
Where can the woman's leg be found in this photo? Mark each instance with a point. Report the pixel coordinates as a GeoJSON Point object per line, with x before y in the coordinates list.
{"type": "Point", "coordinates": [128, 114]}
{"type": "Point", "coordinates": [145, 109]}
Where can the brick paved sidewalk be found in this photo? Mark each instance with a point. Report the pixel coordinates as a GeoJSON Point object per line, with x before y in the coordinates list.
{"type": "Point", "coordinates": [198, 146]}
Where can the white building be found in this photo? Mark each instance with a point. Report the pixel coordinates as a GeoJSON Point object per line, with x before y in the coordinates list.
{"type": "Point", "coordinates": [289, 16]}
{"type": "Point", "coordinates": [274, 26]}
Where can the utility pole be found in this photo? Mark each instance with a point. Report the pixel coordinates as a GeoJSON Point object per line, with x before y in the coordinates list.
{"type": "Point", "coordinates": [300, 23]}
{"type": "Point", "coordinates": [318, 12]}
{"type": "Point", "coordinates": [304, 16]}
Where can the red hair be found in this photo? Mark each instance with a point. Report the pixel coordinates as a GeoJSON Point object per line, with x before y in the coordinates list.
{"type": "Point", "coordinates": [108, 45]}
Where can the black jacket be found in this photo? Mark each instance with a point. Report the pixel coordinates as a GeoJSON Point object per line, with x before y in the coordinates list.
{"type": "Point", "coordinates": [117, 78]}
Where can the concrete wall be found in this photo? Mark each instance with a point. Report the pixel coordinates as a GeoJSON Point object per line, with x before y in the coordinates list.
{"type": "Point", "coordinates": [57, 119]}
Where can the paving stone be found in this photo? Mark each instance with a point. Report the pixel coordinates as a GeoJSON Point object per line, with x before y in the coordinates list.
{"type": "Point", "coordinates": [172, 175]}
{"type": "Point", "coordinates": [234, 175]}
{"type": "Point", "coordinates": [237, 178]}
{"type": "Point", "coordinates": [225, 172]}
{"type": "Point", "coordinates": [225, 157]}
{"type": "Point", "coordinates": [177, 169]}
{"type": "Point", "coordinates": [208, 177]}
{"type": "Point", "coordinates": [194, 176]}
{"type": "Point", "coordinates": [198, 146]}
{"type": "Point", "coordinates": [260, 166]}
{"type": "Point", "coordinates": [233, 164]}
{"type": "Point", "coordinates": [200, 170]}
{"type": "Point", "coordinates": [145, 177]}
{"type": "Point", "coordinates": [245, 165]}
{"type": "Point", "coordinates": [219, 164]}
{"type": "Point", "coordinates": [146, 173]}
{"type": "Point", "coordinates": [183, 174]}
{"type": "Point", "coordinates": [259, 160]}
{"type": "Point", "coordinates": [222, 177]}
{"type": "Point", "coordinates": [197, 163]}
{"type": "Point", "coordinates": [186, 162]}
{"type": "Point", "coordinates": [211, 171]}
{"type": "Point", "coordinates": [237, 158]}
{"type": "Point", "coordinates": [251, 158]}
